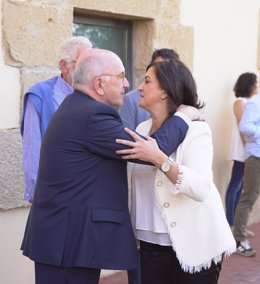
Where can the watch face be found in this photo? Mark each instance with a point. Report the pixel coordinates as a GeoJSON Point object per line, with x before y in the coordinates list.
{"type": "Point", "coordinates": [166, 166]}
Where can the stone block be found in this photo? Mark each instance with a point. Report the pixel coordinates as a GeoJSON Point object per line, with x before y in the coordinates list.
{"type": "Point", "coordinates": [179, 38]}
{"type": "Point", "coordinates": [142, 51]}
{"type": "Point", "coordinates": [11, 176]}
{"type": "Point", "coordinates": [32, 32]}
{"type": "Point", "coordinates": [183, 40]}
{"type": "Point", "coordinates": [130, 9]}
{"type": "Point", "coordinates": [168, 10]}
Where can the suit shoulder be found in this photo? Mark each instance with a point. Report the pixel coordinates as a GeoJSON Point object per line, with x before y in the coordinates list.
{"type": "Point", "coordinates": [102, 107]}
{"type": "Point", "coordinates": [98, 110]}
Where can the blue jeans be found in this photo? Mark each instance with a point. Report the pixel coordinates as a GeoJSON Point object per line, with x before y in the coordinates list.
{"type": "Point", "coordinates": [234, 190]}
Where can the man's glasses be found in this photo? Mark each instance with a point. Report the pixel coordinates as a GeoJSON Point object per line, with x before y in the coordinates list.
{"type": "Point", "coordinates": [120, 76]}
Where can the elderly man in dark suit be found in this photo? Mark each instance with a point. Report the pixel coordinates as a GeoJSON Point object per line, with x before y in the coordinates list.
{"type": "Point", "coordinates": [79, 221]}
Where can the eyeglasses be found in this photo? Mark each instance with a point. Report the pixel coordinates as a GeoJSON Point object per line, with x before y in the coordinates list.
{"type": "Point", "coordinates": [120, 76]}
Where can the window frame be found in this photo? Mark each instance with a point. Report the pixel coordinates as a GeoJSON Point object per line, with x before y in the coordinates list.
{"type": "Point", "coordinates": [113, 23]}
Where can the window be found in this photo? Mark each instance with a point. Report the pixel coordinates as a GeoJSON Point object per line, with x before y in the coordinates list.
{"type": "Point", "coordinates": [108, 34]}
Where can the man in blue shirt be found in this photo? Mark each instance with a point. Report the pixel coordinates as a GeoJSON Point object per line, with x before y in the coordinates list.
{"type": "Point", "coordinates": [250, 127]}
{"type": "Point", "coordinates": [130, 112]}
{"type": "Point", "coordinates": [40, 103]}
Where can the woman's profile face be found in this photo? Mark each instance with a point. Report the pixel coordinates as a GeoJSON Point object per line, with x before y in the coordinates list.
{"type": "Point", "coordinates": [151, 94]}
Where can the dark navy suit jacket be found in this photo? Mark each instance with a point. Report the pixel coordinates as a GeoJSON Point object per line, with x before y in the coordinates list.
{"type": "Point", "coordinates": [79, 216]}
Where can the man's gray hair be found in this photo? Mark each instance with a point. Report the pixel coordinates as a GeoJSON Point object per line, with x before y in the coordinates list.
{"type": "Point", "coordinates": [93, 64]}
{"type": "Point", "coordinates": [68, 49]}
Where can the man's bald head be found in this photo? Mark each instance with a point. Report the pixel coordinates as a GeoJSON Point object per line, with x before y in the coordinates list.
{"type": "Point", "coordinates": [100, 74]}
{"type": "Point", "coordinates": [93, 63]}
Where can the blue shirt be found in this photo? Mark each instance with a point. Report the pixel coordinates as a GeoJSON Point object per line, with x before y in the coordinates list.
{"type": "Point", "coordinates": [32, 136]}
{"type": "Point", "coordinates": [250, 126]}
{"type": "Point", "coordinates": [130, 112]}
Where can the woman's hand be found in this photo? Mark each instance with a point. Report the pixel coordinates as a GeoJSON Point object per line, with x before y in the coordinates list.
{"type": "Point", "coordinates": [141, 149]}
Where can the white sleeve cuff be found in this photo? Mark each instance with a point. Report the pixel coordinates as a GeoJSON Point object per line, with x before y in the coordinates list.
{"type": "Point", "coordinates": [177, 186]}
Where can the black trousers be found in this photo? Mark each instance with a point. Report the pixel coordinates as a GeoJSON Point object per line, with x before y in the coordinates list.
{"type": "Point", "coordinates": [159, 265]}
{"type": "Point", "coordinates": [48, 274]}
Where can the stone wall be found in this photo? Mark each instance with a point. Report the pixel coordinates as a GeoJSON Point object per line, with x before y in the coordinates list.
{"type": "Point", "coordinates": [31, 32]}
{"type": "Point", "coordinates": [11, 178]}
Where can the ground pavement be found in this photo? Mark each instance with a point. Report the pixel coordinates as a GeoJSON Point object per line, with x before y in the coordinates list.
{"type": "Point", "coordinates": [235, 270]}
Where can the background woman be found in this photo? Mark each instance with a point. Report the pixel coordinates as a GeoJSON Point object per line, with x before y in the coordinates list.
{"type": "Point", "coordinates": [245, 87]}
{"type": "Point", "coordinates": [176, 209]}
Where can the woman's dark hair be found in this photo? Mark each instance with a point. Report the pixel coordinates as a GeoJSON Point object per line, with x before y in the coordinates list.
{"type": "Point", "coordinates": [245, 85]}
{"type": "Point", "coordinates": [177, 81]}
{"type": "Point", "coordinates": [165, 54]}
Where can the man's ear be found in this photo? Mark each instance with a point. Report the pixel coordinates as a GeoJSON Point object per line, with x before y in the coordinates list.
{"type": "Point", "coordinates": [98, 86]}
{"type": "Point", "coordinates": [62, 65]}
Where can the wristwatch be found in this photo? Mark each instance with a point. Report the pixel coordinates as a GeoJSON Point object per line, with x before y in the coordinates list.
{"type": "Point", "coordinates": [167, 165]}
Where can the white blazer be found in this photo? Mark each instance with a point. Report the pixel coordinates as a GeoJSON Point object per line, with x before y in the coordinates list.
{"type": "Point", "coordinates": [192, 210]}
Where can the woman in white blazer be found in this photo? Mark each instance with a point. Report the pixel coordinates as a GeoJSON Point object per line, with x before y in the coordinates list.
{"type": "Point", "coordinates": [177, 212]}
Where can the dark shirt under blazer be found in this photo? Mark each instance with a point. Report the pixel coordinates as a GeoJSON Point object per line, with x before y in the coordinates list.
{"type": "Point", "coordinates": [79, 216]}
